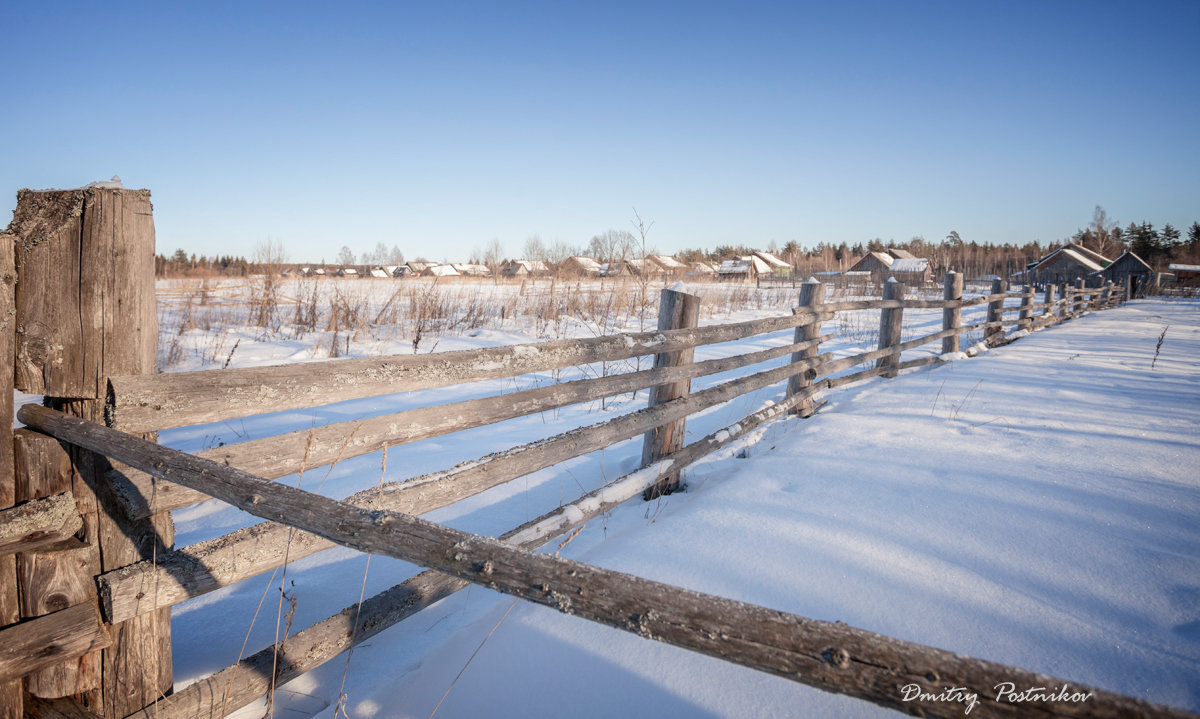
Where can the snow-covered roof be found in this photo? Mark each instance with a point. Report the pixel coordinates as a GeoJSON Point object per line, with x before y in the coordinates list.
{"type": "Point", "coordinates": [435, 270]}
{"type": "Point", "coordinates": [1184, 268]}
{"type": "Point", "coordinates": [703, 268]}
{"type": "Point", "coordinates": [771, 260]}
{"type": "Point", "coordinates": [584, 263]}
{"type": "Point", "coordinates": [1086, 262]}
{"type": "Point", "coordinates": [667, 262]}
{"type": "Point", "coordinates": [471, 270]}
{"type": "Point", "coordinates": [380, 272]}
{"type": "Point", "coordinates": [901, 254]}
{"type": "Point", "coordinates": [734, 267]}
{"type": "Point", "coordinates": [645, 266]}
{"type": "Point", "coordinates": [910, 264]}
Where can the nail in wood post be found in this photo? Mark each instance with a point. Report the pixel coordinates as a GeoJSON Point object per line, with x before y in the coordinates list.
{"type": "Point", "coordinates": [85, 311]}
{"type": "Point", "coordinates": [812, 296]}
{"type": "Point", "coordinates": [10, 691]}
{"type": "Point", "coordinates": [952, 316]}
{"type": "Point", "coordinates": [676, 310]}
{"type": "Point", "coordinates": [1025, 318]}
{"type": "Point", "coordinates": [995, 313]}
{"type": "Point", "coordinates": [889, 326]}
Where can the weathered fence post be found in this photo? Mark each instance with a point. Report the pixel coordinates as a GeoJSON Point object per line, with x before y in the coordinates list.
{"type": "Point", "coordinates": [812, 296]}
{"type": "Point", "coordinates": [1080, 296]}
{"type": "Point", "coordinates": [995, 313]}
{"type": "Point", "coordinates": [10, 691]}
{"type": "Point", "coordinates": [1128, 288]}
{"type": "Point", "coordinates": [952, 316]}
{"type": "Point", "coordinates": [85, 311]}
{"type": "Point", "coordinates": [1025, 319]}
{"type": "Point", "coordinates": [889, 326]}
{"type": "Point", "coordinates": [676, 310]}
{"type": "Point", "coordinates": [1048, 300]}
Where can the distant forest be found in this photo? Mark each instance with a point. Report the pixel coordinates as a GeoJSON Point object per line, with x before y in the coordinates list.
{"type": "Point", "coordinates": [1157, 246]}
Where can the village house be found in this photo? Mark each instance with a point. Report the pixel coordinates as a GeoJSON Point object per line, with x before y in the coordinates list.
{"type": "Point", "coordinates": [912, 271]}
{"type": "Point", "coordinates": [439, 270]}
{"type": "Point", "coordinates": [1128, 267]}
{"type": "Point", "coordinates": [670, 266]}
{"type": "Point", "coordinates": [876, 264]}
{"type": "Point", "coordinates": [778, 267]}
{"type": "Point", "coordinates": [1065, 264]}
{"type": "Point", "coordinates": [524, 268]}
{"type": "Point", "coordinates": [580, 266]}
{"type": "Point", "coordinates": [467, 269]}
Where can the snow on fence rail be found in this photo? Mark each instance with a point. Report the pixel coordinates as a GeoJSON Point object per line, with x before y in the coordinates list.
{"type": "Point", "coordinates": [139, 576]}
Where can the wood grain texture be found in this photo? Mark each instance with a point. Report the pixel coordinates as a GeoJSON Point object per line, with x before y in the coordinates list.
{"type": "Point", "coordinates": [11, 692]}
{"type": "Point", "coordinates": [890, 322]}
{"type": "Point", "coordinates": [952, 289]}
{"type": "Point", "coordinates": [38, 523]}
{"type": "Point", "coordinates": [206, 566]}
{"type": "Point", "coordinates": [86, 310]}
{"type": "Point", "coordinates": [143, 403]}
{"type": "Point", "coordinates": [676, 310]}
{"type": "Point", "coordinates": [829, 656]}
{"type": "Point", "coordinates": [812, 296]}
{"type": "Point", "coordinates": [274, 457]}
{"type": "Point", "coordinates": [36, 644]}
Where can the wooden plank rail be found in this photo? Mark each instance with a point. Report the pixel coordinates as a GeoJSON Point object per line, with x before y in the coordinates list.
{"type": "Point", "coordinates": [142, 403]}
{"type": "Point", "coordinates": [42, 642]}
{"type": "Point", "coordinates": [207, 566]}
{"type": "Point", "coordinates": [239, 684]}
{"type": "Point", "coordinates": [39, 523]}
{"type": "Point", "coordinates": [829, 656]}
{"type": "Point", "coordinates": [281, 455]}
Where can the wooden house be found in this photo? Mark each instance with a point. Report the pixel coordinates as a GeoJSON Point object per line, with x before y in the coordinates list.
{"type": "Point", "coordinates": [1065, 264]}
{"type": "Point", "coordinates": [669, 265]}
{"type": "Point", "coordinates": [877, 264]}
{"type": "Point", "coordinates": [439, 270]}
{"type": "Point", "coordinates": [912, 271]}
{"type": "Point", "coordinates": [1128, 265]}
{"type": "Point", "coordinates": [468, 269]}
{"type": "Point", "coordinates": [417, 267]}
{"type": "Point", "coordinates": [524, 268]}
{"type": "Point", "coordinates": [580, 266]}
{"type": "Point", "coordinates": [777, 267]}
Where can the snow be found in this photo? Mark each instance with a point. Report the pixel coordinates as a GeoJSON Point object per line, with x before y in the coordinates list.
{"type": "Point", "coordinates": [1034, 505]}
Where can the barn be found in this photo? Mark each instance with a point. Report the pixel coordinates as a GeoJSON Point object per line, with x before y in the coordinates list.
{"type": "Point", "coordinates": [1065, 264]}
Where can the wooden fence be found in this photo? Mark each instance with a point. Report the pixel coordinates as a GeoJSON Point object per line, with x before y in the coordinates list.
{"type": "Point", "coordinates": [90, 573]}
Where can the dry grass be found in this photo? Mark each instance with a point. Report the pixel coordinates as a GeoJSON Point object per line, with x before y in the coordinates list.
{"type": "Point", "coordinates": [200, 319]}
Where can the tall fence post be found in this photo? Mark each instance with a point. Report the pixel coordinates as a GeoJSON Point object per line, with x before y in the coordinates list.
{"type": "Point", "coordinates": [676, 310]}
{"type": "Point", "coordinates": [1025, 319]}
{"type": "Point", "coordinates": [1128, 295]}
{"type": "Point", "coordinates": [1080, 296]}
{"type": "Point", "coordinates": [995, 313]}
{"type": "Point", "coordinates": [890, 322]}
{"type": "Point", "coordinates": [10, 613]}
{"type": "Point", "coordinates": [812, 296]}
{"type": "Point", "coordinates": [1048, 300]}
{"type": "Point", "coordinates": [85, 311]}
{"type": "Point", "coordinates": [952, 290]}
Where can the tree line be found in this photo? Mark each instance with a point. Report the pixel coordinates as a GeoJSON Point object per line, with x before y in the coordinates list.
{"type": "Point", "coordinates": [1158, 247]}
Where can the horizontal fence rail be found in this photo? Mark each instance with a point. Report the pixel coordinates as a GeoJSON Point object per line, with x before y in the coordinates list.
{"type": "Point", "coordinates": [382, 519]}
{"type": "Point", "coordinates": [145, 403]}
{"type": "Point", "coordinates": [829, 656]}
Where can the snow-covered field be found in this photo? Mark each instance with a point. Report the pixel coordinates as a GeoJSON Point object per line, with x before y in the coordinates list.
{"type": "Point", "coordinates": [1035, 506]}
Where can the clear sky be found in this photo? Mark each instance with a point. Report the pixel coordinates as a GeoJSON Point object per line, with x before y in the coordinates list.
{"type": "Point", "coordinates": [439, 126]}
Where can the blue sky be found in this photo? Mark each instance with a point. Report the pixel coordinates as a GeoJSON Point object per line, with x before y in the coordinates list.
{"type": "Point", "coordinates": [440, 126]}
